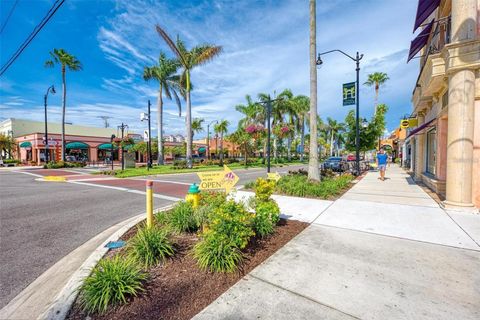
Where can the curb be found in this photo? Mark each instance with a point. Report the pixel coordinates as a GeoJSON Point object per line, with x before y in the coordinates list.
{"type": "Point", "coordinates": [59, 309]}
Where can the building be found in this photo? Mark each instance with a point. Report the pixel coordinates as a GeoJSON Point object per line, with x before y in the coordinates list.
{"type": "Point", "coordinates": [81, 142]}
{"type": "Point", "coordinates": [443, 150]}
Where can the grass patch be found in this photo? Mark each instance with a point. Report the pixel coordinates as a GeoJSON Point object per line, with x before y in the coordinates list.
{"type": "Point", "coordinates": [169, 169]}
{"type": "Point", "coordinates": [300, 186]}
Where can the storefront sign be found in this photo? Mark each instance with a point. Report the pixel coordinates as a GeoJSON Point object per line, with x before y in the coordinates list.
{"type": "Point", "coordinates": [218, 180]}
{"type": "Point", "coordinates": [408, 123]}
{"type": "Point", "coordinates": [348, 93]}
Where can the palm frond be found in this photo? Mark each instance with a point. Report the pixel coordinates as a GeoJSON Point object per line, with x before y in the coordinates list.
{"type": "Point", "coordinates": [171, 44]}
{"type": "Point", "coordinates": [205, 53]}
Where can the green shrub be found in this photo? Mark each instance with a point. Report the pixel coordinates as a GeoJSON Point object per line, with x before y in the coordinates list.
{"type": "Point", "coordinates": [150, 246]}
{"type": "Point", "coordinates": [217, 253]}
{"type": "Point", "coordinates": [179, 164]}
{"type": "Point", "coordinates": [111, 282]}
{"type": "Point", "coordinates": [182, 218]}
{"type": "Point", "coordinates": [8, 161]}
{"type": "Point", "coordinates": [64, 164]}
{"type": "Point", "coordinates": [300, 186]}
{"type": "Point", "coordinates": [231, 219]}
{"type": "Point", "coordinates": [263, 189]}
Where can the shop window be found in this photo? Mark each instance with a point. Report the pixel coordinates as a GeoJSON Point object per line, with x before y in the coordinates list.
{"type": "Point", "coordinates": [431, 151]}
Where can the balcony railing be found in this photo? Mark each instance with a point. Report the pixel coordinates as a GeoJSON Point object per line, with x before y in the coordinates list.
{"type": "Point", "coordinates": [440, 37]}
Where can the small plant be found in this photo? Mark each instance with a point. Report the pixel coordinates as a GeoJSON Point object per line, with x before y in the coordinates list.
{"type": "Point", "coordinates": [150, 246]}
{"type": "Point", "coordinates": [217, 253]}
{"type": "Point", "coordinates": [182, 218]}
{"type": "Point", "coordinates": [267, 215]}
{"type": "Point", "coordinates": [263, 189]}
{"type": "Point", "coordinates": [179, 164]}
{"type": "Point", "coordinates": [111, 282]}
{"type": "Point", "coordinates": [232, 220]}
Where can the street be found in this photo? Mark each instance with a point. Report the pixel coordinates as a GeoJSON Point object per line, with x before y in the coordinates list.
{"type": "Point", "coordinates": [41, 222]}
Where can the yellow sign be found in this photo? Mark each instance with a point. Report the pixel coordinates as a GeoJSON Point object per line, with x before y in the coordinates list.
{"type": "Point", "coordinates": [218, 180]}
{"type": "Point", "coordinates": [408, 123]}
{"type": "Point", "coordinates": [273, 176]}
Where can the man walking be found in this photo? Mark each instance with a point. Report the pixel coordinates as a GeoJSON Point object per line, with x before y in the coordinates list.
{"type": "Point", "coordinates": [382, 159]}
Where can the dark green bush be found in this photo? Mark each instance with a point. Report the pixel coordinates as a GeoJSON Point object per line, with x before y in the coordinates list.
{"type": "Point", "coordinates": [179, 164]}
{"type": "Point", "coordinates": [217, 253]}
{"type": "Point", "coordinates": [300, 186]}
{"type": "Point", "coordinates": [111, 282]}
{"type": "Point", "coordinates": [150, 246]}
{"type": "Point", "coordinates": [182, 218]}
{"type": "Point", "coordinates": [64, 164]}
{"type": "Point", "coordinates": [8, 161]}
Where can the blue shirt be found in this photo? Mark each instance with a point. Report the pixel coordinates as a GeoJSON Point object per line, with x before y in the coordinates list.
{"type": "Point", "coordinates": [382, 158]}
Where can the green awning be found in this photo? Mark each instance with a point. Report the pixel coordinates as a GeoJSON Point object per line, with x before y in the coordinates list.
{"type": "Point", "coordinates": [107, 146]}
{"type": "Point", "coordinates": [202, 149]}
{"type": "Point", "coordinates": [25, 144]}
{"type": "Point", "coordinates": [76, 145]}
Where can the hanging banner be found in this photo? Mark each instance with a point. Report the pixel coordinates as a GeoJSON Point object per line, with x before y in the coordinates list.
{"type": "Point", "coordinates": [349, 93]}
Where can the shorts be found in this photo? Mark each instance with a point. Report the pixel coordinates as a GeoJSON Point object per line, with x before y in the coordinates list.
{"type": "Point", "coordinates": [382, 167]}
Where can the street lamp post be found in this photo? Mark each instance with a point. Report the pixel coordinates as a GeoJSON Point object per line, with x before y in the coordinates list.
{"type": "Point", "coordinates": [357, 122]}
{"type": "Point", "coordinates": [122, 128]}
{"type": "Point", "coordinates": [111, 149]}
{"type": "Point", "coordinates": [268, 105]}
{"type": "Point", "coordinates": [52, 90]}
{"type": "Point", "coordinates": [208, 138]}
{"type": "Point", "coordinates": [149, 142]}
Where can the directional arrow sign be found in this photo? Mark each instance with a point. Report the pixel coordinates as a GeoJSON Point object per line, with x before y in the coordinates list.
{"type": "Point", "coordinates": [273, 176]}
{"type": "Point", "coordinates": [218, 180]}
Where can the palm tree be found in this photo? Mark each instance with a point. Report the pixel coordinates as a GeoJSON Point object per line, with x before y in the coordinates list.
{"type": "Point", "coordinates": [334, 128]}
{"type": "Point", "coordinates": [301, 105]}
{"type": "Point", "coordinates": [376, 79]}
{"type": "Point", "coordinates": [313, 165]}
{"type": "Point", "coordinates": [197, 126]}
{"type": "Point", "coordinates": [164, 73]}
{"type": "Point", "coordinates": [189, 59]}
{"type": "Point", "coordinates": [221, 128]}
{"type": "Point", "coordinates": [253, 113]}
{"type": "Point", "coordinates": [65, 60]}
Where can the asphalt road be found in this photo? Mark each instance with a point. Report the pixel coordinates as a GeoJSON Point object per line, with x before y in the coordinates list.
{"type": "Point", "coordinates": [41, 222]}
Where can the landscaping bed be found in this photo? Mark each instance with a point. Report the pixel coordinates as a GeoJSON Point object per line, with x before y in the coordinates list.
{"type": "Point", "coordinates": [179, 290]}
{"type": "Point", "coordinates": [186, 258]}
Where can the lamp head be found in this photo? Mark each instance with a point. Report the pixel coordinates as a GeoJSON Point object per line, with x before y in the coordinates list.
{"type": "Point", "coordinates": [52, 89]}
{"type": "Point", "coordinates": [319, 60]}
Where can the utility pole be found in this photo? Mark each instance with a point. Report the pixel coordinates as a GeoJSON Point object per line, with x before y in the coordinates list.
{"type": "Point", "coordinates": [52, 90]}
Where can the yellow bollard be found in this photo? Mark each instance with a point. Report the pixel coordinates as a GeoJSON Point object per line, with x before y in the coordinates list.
{"type": "Point", "coordinates": [149, 204]}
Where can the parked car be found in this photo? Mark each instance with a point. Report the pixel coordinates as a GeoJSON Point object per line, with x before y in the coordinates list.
{"type": "Point", "coordinates": [334, 164]}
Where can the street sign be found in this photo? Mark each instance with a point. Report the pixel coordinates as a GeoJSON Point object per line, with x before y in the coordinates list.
{"type": "Point", "coordinates": [273, 176]}
{"type": "Point", "coordinates": [145, 136]}
{"type": "Point", "coordinates": [218, 180]}
{"type": "Point", "coordinates": [404, 124]}
{"type": "Point", "coordinates": [348, 93]}
{"type": "Point", "coordinates": [408, 123]}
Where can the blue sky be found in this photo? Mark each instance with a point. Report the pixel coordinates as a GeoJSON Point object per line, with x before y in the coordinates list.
{"type": "Point", "coordinates": [265, 48]}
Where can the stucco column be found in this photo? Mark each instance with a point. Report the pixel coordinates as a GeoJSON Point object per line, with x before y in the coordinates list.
{"type": "Point", "coordinates": [93, 154]}
{"type": "Point", "coordinates": [442, 128]}
{"type": "Point", "coordinates": [461, 102]}
{"type": "Point", "coordinates": [419, 150]}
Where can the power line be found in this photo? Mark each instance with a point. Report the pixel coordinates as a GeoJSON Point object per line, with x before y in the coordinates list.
{"type": "Point", "coordinates": [32, 35]}
{"type": "Point", "coordinates": [8, 16]}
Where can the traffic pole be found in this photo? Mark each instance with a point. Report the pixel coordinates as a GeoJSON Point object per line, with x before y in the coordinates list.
{"type": "Point", "coordinates": [149, 193]}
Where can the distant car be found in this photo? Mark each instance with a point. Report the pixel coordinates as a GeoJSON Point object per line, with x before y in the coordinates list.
{"type": "Point", "coordinates": [334, 164]}
{"type": "Point", "coordinates": [70, 159]}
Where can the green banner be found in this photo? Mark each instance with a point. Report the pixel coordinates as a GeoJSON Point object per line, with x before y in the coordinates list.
{"type": "Point", "coordinates": [349, 93]}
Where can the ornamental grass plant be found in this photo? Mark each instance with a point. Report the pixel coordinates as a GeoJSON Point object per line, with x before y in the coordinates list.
{"type": "Point", "coordinates": [182, 218]}
{"type": "Point", "coordinates": [150, 246]}
{"type": "Point", "coordinates": [111, 282]}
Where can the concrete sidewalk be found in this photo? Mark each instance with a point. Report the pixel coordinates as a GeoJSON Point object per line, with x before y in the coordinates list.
{"type": "Point", "coordinates": [384, 250]}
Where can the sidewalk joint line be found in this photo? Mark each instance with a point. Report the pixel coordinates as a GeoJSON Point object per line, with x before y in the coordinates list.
{"type": "Point", "coordinates": [446, 212]}
{"type": "Point", "coordinates": [397, 237]}
{"type": "Point", "coordinates": [303, 296]}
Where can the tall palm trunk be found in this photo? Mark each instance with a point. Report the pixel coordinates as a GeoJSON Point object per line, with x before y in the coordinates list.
{"type": "Point", "coordinates": [275, 148]}
{"type": "Point", "coordinates": [64, 103]}
{"type": "Point", "coordinates": [313, 168]}
{"type": "Point", "coordinates": [246, 154]}
{"type": "Point", "coordinates": [221, 148]}
{"type": "Point", "coordinates": [331, 144]}
{"type": "Point", "coordinates": [302, 139]}
{"type": "Point", "coordinates": [377, 86]}
{"type": "Point", "coordinates": [160, 126]}
{"type": "Point", "coordinates": [188, 122]}
{"type": "Point", "coordinates": [289, 145]}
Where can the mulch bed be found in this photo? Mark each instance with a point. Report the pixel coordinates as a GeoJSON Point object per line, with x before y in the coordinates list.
{"type": "Point", "coordinates": [179, 290]}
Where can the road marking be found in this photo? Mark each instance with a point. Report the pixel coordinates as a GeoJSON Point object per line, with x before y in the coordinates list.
{"type": "Point", "coordinates": [156, 195]}
{"type": "Point", "coordinates": [32, 174]}
{"type": "Point", "coordinates": [167, 181]}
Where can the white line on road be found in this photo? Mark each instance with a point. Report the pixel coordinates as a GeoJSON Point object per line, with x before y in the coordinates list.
{"type": "Point", "coordinates": [29, 173]}
{"type": "Point", "coordinates": [156, 195]}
